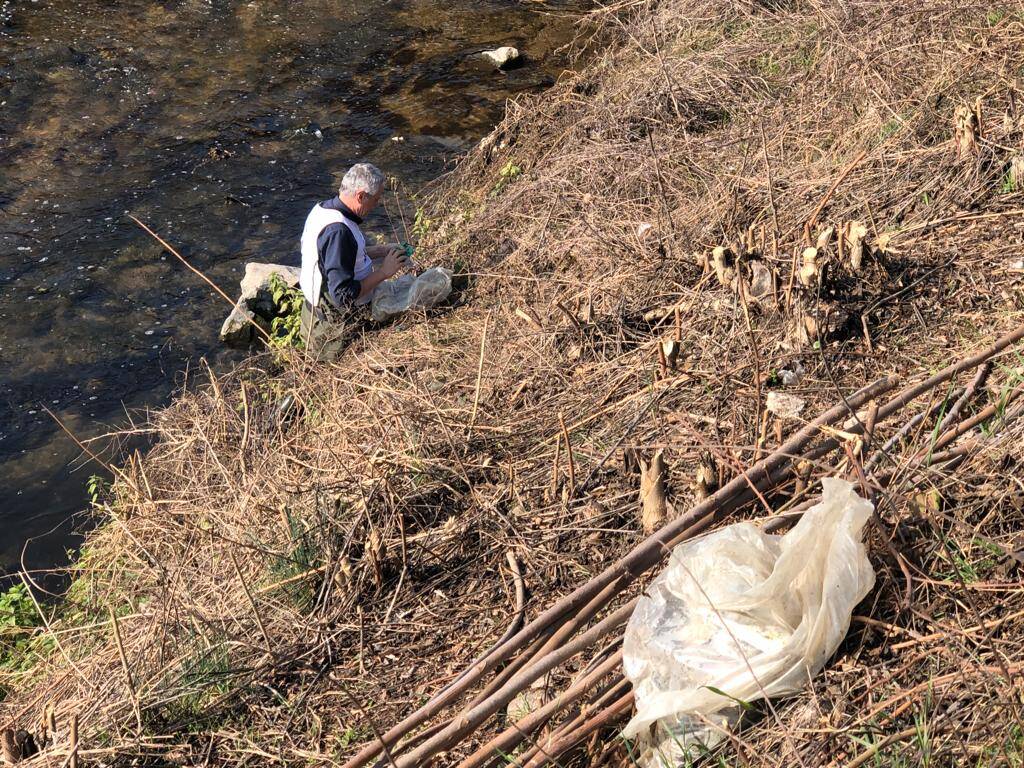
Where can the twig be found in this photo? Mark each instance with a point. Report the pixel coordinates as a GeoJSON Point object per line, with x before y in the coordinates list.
{"type": "Point", "coordinates": [831, 190]}
{"type": "Point", "coordinates": [569, 457]}
{"type": "Point", "coordinates": [479, 376]}
{"type": "Point", "coordinates": [127, 671]}
{"type": "Point", "coordinates": [203, 277]}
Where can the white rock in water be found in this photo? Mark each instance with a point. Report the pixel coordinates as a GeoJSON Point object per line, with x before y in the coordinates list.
{"type": "Point", "coordinates": [255, 303]}
{"type": "Point", "coordinates": [503, 57]}
{"type": "Point", "coordinates": [257, 276]}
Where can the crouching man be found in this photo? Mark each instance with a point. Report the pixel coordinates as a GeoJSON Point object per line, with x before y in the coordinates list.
{"type": "Point", "coordinates": [339, 271]}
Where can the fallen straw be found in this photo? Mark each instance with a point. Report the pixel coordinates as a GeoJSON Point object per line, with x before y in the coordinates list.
{"type": "Point", "coordinates": [769, 473]}
{"type": "Point", "coordinates": [620, 574]}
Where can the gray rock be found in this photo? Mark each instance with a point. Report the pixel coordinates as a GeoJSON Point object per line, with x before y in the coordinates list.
{"type": "Point", "coordinates": [255, 286]}
{"type": "Point", "coordinates": [237, 329]}
{"type": "Point", "coordinates": [257, 276]}
{"type": "Point", "coordinates": [255, 302]}
{"type": "Point", "coordinates": [504, 57]}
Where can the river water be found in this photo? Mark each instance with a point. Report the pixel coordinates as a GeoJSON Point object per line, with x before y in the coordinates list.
{"type": "Point", "coordinates": [219, 123]}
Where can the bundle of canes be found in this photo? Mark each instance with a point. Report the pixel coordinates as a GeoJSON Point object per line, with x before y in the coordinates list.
{"type": "Point", "coordinates": [560, 632]}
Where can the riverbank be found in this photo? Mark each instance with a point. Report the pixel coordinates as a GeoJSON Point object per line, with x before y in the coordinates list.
{"type": "Point", "coordinates": [727, 203]}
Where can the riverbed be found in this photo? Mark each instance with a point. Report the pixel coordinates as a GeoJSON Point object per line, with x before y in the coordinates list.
{"type": "Point", "coordinates": [219, 124]}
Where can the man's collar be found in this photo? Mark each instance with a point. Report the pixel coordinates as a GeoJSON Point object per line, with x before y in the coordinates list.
{"type": "Point", "coordinates": [335, 204]}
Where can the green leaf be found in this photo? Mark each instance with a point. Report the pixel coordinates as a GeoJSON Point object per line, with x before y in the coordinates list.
{"type": "Point", "coordinates": [745, 705]}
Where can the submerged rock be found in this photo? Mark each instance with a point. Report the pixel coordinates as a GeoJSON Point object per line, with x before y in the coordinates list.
{"type": "Point", "coordinates": [504, 57]}
{"type": "Point", "coordinates": [256, 302]}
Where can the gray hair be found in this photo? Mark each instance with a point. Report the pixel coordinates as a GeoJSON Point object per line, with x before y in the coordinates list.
{"type": "Point", "coordinates": [362, 177]}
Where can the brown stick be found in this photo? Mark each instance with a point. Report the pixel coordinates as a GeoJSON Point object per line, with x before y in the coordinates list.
{"type": "Point", "coordinates": [606, 695]}
{"type": "Point", "coordinates": [765, 473]}
{"type": "Point", "coordinates": [73, 747]}
{"type": "Point", "coordinates": [252, 602]}
{"type": "Point", "coordinates": [204, 278]}
{"type": "Point", "coordinates": [568, 453]}
{"type": "Point", "coordinates": [902, 432]}
{"type": "Point", "coordinates": [835, 185]}
{"type": "Point", "coordinates": [643, 556]}
{"type": "Point", "coordinates": [127, 670]}
{"type": "Point", "coordinates": [965, 398]}
{"type": "Point", "coordinates": [566, 742]}
{"type": "Point", "coordinates": [556, 463]}
{"type": "Point", "coordinates": [511, 737]}
{"type": "Point", "coordinates": [479, 376]}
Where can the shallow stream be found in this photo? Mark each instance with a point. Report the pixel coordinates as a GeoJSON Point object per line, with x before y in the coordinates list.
{"type": "Point", "coordinates": [219, 123]}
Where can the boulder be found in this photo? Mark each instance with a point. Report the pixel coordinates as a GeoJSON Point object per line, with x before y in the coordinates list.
{"type": "Point", "coordinates": [255, 302]}
{"type": "Point", "coordinates": [237, 329]}
{"type": "Point", "coordinates": [504, 57]}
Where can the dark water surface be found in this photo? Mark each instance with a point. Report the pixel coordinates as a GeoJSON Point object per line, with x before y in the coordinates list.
{"type": "Point", "coordinates": [199, 117]}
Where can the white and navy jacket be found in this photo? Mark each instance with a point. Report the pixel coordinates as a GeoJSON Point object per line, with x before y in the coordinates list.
{"type": "Point", "coordinates": [334, 260]}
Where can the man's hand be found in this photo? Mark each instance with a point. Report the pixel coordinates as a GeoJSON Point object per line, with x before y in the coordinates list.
{"type": "Point", "coordinates": [393, 262]}
{"type": "Point", "coordinates": [380, 251]}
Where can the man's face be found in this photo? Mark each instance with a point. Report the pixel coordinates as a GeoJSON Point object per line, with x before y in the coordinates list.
{"type": "Point", "coordinates": [367, 202]}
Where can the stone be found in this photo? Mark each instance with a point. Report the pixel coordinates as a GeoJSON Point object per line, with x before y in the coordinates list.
{"type": "Point", "coordinates": [504, 57]}
{"type": "Point", "coordinates": [530, 700]}
{"type": "Point", "coordinates": [255, 302]}
{"type": "Point", "coordinates": [784, 405]}
{"type": "Point", "coordinates": [255, 286]}
{"type": "Point", "coordinates": [237, 329]}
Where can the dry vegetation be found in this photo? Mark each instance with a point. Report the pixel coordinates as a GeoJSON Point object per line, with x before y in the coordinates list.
{"type": "Point", "coordinates": [278, 585]}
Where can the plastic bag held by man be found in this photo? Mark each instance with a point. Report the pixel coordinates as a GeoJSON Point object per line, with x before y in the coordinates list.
{"type": "Point", "coordinates": [739, 615]}
{"type": "Point", "coordinates": [408, 292]}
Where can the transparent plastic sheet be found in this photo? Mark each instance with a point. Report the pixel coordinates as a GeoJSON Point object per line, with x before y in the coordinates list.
{"type": "Point", "coordinates": [393, 297]}
{"type": "Point", "coordinates": [739, 615]}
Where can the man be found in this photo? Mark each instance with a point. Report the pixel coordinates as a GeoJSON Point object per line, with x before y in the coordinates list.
{"type": "Point", "coordinates": [339, 271]}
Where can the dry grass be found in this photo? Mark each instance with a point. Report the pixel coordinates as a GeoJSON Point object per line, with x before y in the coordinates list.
{"type": "Point", "coordinates": [286, 585]}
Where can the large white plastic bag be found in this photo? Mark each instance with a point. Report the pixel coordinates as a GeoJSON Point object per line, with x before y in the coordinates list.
{"type": "Point", "coordinates": [393, 297]}
{"type": "Point", "coordinates": [746, 614]}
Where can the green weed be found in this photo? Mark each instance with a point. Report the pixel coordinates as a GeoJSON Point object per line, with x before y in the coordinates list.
{"type": "Point", "coordinates": [286, 328]}
{"type": "Point", "coordinates": [891, 128]}
{"type": "Point", "coordinates": [768, 66]}
{"type": "Point", "coordinates": [303, 557]}
{"type": "Point", "coordinates": [96, 486]}
{"type": "Point", "coordinates": [995, 15]}
{"type": "Point", "coordinates": [202, 677]}
{"type": "Point", "coordinates": [21, 644]}
{"type": "Point", "coordinates": [421, 224]}
{"type": "Point", "coordinates": [353, 735]}
{"type": "Point", "coordinates": [509, 173]}
{"type": "Point", "coordinates": [806, 56]}
{"type": "Point", "coordinates": [967, 568]}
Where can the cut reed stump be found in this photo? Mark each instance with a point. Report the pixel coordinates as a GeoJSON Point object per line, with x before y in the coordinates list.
{"type": "Point", "coordinates": [812, 443]}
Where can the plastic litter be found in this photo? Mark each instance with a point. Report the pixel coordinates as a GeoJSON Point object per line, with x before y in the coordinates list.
{"type": "Point", "coordinates": [784, 405]}
{"type": "Point", "coordinates": [791, 378]}
{"type": "Point", "coordinates": [394, 297]}
{"type": "Point", "coordinates": [739, 615]}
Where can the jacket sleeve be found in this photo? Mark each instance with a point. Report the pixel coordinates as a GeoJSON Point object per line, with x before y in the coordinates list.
{"type": "Point", "coordinates": [337, 248]}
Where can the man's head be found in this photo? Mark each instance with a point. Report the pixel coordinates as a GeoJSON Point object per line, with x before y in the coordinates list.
{"type": "Point", "coordinates": [361, 189]}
